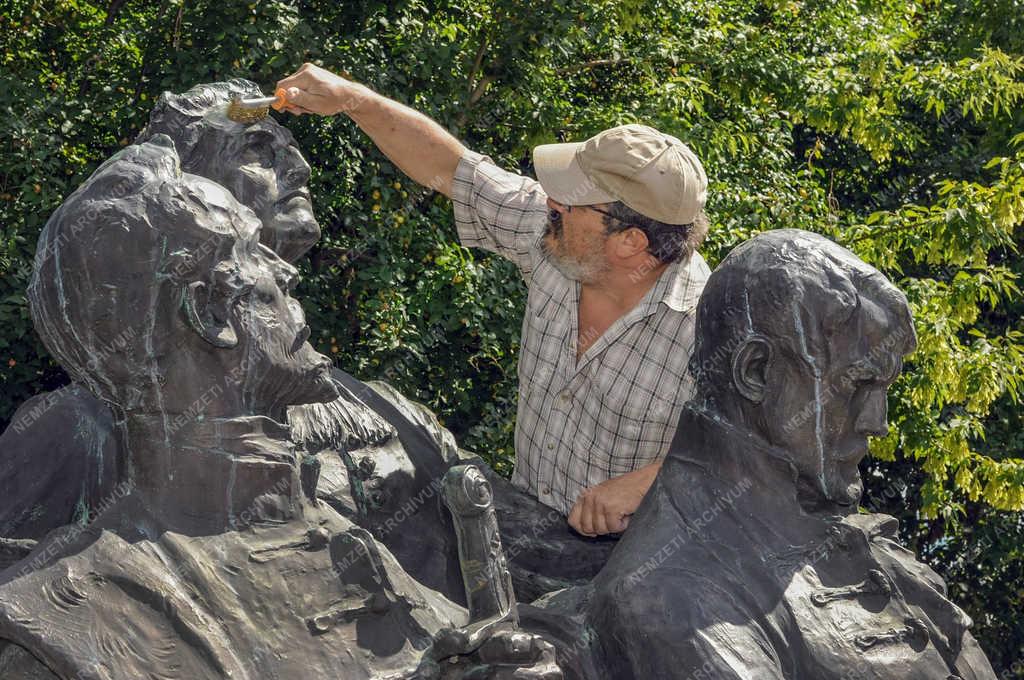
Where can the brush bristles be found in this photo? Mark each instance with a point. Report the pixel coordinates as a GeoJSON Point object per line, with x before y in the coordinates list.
{"type": "Point", "coordinates": [245, 114]}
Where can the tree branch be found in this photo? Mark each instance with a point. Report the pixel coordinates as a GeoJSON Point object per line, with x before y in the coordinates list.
{"type": "Point", "coordinates": [112, 9]}
{"type": "Point", "coordinates": [594, 63]}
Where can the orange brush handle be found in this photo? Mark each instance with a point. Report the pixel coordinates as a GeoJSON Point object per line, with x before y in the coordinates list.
{"type": "Point", "coordinates": [282, 99]}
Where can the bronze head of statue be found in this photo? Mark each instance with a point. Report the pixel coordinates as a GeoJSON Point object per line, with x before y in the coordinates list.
{"type": "Point", "coordinates": [174, 257]}
{"type": "Point", "coordinates": [152, 288]}
{"type": "Point", "coordinates": [258, 162]}
{"type": "Point", "coordinates": [797, 341]}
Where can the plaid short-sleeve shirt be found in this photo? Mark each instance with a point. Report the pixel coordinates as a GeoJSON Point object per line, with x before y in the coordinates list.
{"type": "Point", "coordinates": [579, 423]}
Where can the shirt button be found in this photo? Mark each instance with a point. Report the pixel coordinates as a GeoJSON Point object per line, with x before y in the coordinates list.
{"type": "Point", "coordinates": [566, 395]}
{"type": "Point", "coordinates": [550, 446]}
{"type": "Point", "coordinates": [545, 491]}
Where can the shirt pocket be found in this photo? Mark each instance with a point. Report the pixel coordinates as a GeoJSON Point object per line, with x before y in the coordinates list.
{"type": "Point", "coordinates": [632, 429]}
{"type": "Point", "coordinates": [543, 346]}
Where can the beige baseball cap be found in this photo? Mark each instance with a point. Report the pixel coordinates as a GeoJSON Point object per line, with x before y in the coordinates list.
{"type": "Point", "coordinates": [651, 172]}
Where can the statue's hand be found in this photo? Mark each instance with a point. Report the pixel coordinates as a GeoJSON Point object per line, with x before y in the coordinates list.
{"type": "Point", "coordinates": [508, 655]}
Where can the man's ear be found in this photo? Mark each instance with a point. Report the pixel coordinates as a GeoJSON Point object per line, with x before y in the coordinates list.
{"type": "Point", "coordinates": [750, 368]}
{"type": "Point", "coordinates": [632, 241]}
{"type": "Point", "coordinates": [208, 315]}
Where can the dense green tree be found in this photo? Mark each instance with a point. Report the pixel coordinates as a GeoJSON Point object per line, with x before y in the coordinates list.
{"type": "Point", "coordinates": [893, 127]}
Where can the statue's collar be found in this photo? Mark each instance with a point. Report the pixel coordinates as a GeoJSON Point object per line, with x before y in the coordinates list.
{"type": "Point", "coordinates": [216, 474]}
{"type": "Point", "coordinates": [242, 435]}
{"type": "Point", "coordinates": [706, 440]}
{"type": "Point", "coordinates": [739, 457]}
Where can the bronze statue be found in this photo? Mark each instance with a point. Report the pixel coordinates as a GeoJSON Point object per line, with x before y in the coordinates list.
{"type": "Point", "coordinates": [217, 560]}
{"type": "Point", "coordinates": [380, 455]}
{"type": "Point", "coordinates": [242, 509]}
{"type": "Point", "coordinates": [748, 558]}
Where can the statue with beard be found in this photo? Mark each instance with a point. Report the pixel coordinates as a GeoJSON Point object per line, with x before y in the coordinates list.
{"type": "Point", "coordinates": [381, 456]}
{"type": "Point", "coordinates": [748, 558]}
{"type": "Point", "coordinates": [216, 559]}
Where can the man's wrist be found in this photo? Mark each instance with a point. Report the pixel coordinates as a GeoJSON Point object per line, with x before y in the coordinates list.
{"type": "Point", "coordinates": [350, 97]}
{"type": "Point", "coordinates": [643, 478]}
{"type": "Point", "coordinates": [650, 471]}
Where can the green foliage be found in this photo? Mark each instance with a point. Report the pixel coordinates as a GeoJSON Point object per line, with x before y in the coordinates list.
{"type": "Point", "coordinates": [895, 128]}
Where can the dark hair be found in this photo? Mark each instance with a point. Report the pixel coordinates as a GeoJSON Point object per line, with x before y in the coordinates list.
{"type": "Point", "coordinates": [667, 242]}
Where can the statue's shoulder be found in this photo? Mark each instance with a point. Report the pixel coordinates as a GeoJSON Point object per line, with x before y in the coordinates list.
{"type": "Point", "coordinates": [16, 663]}
{"type": "Point", "coordinates": [423, 418]}
{"type": "Point", "coordinates": [681, 619]}
{"type": "Point", "coordinates": [82, 602]}
{"type": "Point", "coordinates": [70, 402]}
{"type": "Point", "coordinates": [656, 566]}
{"type": "Point", "coordinates": [58, 455]}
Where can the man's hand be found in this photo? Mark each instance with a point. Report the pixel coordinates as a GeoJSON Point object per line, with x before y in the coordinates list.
{"type": "Point", "coordinates": [605, 508]}
{"type": "Point", "coordinates": [312, 89]}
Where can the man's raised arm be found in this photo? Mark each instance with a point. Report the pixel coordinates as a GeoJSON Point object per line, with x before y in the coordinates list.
{"type": "Point", "coordinates": [499, 211]}
{"type": "Point", "coordinates": [421, 148]}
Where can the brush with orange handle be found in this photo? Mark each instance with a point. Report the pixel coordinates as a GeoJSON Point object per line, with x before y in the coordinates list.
{"type": "Point", "coordinates": [251, 110]}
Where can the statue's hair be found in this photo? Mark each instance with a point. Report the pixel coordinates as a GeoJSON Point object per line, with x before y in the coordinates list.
{"type": "Point", "coordinates": [197, 122]}
{"type": "Point", "coordinates": [186, 118]}
{"type": "Point", "coordinates": [111, 261]}
{"type": "Point", "coordinates": [786, 285]}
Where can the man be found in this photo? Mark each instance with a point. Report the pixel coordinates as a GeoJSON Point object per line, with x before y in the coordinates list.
{"type": "Point", "coordinates": [217, 561]}
{"type": "Point", "coordinates": [748, 558]}
{"type": "Point", "coordinates": [606, 242]}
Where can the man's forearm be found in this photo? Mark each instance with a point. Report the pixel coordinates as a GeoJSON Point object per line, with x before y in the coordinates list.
{"type": "Point", "coordinates": [420, 147]}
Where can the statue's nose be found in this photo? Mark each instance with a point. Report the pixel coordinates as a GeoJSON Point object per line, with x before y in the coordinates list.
{"type": "Point", "coordinates": [303, 336]}
{"type": "Point", "coordinates": [873, 417]}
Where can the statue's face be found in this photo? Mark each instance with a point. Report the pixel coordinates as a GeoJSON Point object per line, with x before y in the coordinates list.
{"type": "Point", "coordinates": [824, 405]}
{"type": "Point", "coordinates": [261, 165]}
{"type": "Point", "coordinates": [272, 364]}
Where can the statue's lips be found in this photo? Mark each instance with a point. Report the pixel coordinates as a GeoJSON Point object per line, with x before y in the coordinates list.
{"type": "Point", "coordinates": [853, 454]}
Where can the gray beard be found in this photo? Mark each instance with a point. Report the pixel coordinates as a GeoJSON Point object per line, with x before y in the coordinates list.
{"type": "Point", "coordinates": [571, 268]}
{"type": "Point", "coordinates": [277, 378]}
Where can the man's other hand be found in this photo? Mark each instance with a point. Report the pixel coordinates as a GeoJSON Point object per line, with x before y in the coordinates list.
{"type": "Point", "coordinates": [312, 89]}
{"type": "Point", "coordinates": [606, 508]}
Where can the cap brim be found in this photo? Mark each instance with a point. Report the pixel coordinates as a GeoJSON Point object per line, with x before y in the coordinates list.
{"type": "Point", "coordinates": [562, 178]}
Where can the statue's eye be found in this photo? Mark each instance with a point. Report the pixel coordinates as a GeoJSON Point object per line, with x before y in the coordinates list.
{"type": "Point", "coordinates": [264, 293]}
{"type": "Point", "coordinates": [287, 283]}
{"type": "Point", "coordinates": [260, 152]}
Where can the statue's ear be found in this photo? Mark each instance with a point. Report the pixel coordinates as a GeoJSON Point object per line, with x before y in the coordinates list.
{"type": "Point", "coordinates": [750, 368]}
{"type": "Point", "coordinates": [208, 314]}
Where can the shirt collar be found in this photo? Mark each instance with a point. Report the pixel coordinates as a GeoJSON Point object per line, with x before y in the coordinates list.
{"type": "Point", "coordinates": [679, 286]}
